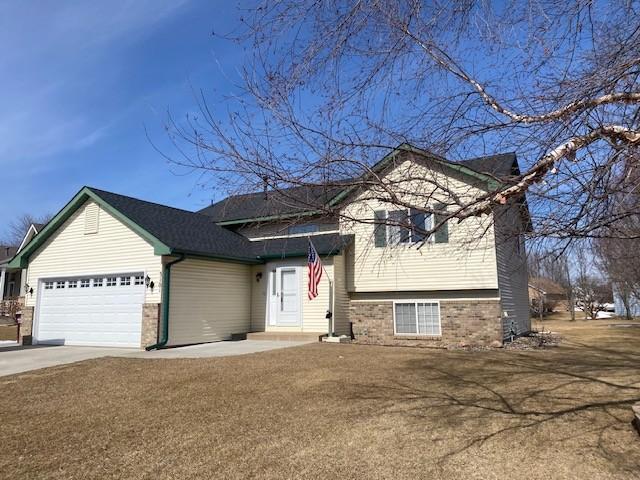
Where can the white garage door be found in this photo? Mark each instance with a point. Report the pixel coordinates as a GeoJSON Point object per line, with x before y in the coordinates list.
{"type": "Point", "coordinates": [102, 310]}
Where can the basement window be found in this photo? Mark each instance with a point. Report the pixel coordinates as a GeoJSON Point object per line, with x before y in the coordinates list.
{"type": "Point", "coordinates": [416, 318]}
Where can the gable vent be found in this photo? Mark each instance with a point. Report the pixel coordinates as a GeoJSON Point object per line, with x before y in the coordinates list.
{"type": "Point", "coordinates": [91, 216]}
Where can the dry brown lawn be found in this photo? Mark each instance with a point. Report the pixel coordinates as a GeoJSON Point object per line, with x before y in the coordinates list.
{"type": "Point", "coordinates": [335, 411]}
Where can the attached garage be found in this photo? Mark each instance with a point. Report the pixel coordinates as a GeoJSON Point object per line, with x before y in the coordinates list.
{"type": "Point", "coordinates": [99, 273]}
{"type": "Point", "coordinates": [101, 310]}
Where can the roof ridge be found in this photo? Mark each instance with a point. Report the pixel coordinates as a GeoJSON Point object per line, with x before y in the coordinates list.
{"type": "Point", "coordinates": [98, 191]}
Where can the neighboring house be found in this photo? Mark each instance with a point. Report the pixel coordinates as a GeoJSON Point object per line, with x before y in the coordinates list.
{"type": "Point", "coordinates": [9, 278]}
{"type": "Point", "coordinates": [11, 285]}
{"type": "Point", "coordinates": [114, 270]}
{"type": "Point", "coordinates": [619, 305]}
{"type": "Point", "coordinates": [552, 295]}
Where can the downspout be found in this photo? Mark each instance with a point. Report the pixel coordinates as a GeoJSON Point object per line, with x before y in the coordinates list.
{"type": "Point", "coordinates": [166, 288]}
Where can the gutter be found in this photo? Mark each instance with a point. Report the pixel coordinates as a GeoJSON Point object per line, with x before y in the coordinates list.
{"type": "Point", "coordinates": [166, 284]}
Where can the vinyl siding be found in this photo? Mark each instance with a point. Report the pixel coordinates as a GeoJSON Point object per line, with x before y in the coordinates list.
{"type": "Point", "coordinates": [512, 271]}
{"type": "Point", "coordinates": [113, 249]}
{"type": "Point", "coordinates": [467, 261]}
{"type": "Point", "coordinates": [209, 301]}
{"type": "Point", "coordinates": [259, 298]}
{"type": "Point", "coordinates": [271, 229]}
{"type": "Point", "coordinates": [341, 304]}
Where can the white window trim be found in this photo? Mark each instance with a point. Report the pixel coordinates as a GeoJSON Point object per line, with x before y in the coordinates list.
{"type": "Point", "coordinates": [294, 235]}
{"type": "Point", "coordinates": [415, 303]}
{"type": "Point", "coordinates": [387, 228]}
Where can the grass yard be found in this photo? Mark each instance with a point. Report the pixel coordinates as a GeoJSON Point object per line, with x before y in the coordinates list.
{"type": "Point", "coordinates": [8, 332]}
{"type": "Point", "coordinates": [335, 411]}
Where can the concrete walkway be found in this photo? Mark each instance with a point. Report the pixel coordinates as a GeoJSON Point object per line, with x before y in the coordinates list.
{"type": "Point", "coordinates": [218, 349]}
{"type": "Point", "coordinates": [15, 359]}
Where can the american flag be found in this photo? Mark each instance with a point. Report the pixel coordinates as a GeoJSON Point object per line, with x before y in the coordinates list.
{"type": "Point", "coordinates": [315, 271]}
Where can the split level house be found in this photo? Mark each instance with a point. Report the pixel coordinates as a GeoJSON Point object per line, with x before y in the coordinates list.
{"type": "Point", "coordinates": [113, 270]}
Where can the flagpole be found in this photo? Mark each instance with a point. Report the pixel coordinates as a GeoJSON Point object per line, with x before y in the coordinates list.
{"type": "Point", "coordinates": [330, 306]}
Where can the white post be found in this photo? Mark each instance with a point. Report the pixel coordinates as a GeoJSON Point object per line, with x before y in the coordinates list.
{"type": "Point", "coordinates": [330, 305]}
{"type": "Point", "coordinates": [2, 276]}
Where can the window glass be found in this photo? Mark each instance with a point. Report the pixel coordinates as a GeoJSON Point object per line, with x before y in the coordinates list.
{"type": "Point", "coordinates": [307, 228]}
{"type": "Point", "coordinates": [84, 283]}
{"type": "Point", "coordinates": [111, 281]}
{"type": "Point", "coordinates": [405, 318]}
{"type": "Point", "coordinates": [97, 282]}
{"type": "Point", "coordinates": [48, 285]}
{"type": "Point", "coordinates": [73, 284]}
{"type": "Point", "coordinates": [125, 281]}
{"type": "Point", "coordinates": [60, 284]}
{"type": "Point", "coordinates": [398, 227]}
{"type": "Point", "coordinates": [138, 280]}
{"type": "Point", "coordinates": [421, 318]}
{"type": "Point", "coordinates": [428, 319]}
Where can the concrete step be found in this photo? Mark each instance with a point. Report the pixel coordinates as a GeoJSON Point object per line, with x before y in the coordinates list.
{"type": "Point", "coordinates": [285, 336]}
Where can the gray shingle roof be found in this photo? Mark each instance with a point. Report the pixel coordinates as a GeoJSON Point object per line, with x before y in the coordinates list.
{"type": "Point", "coordinates": [328, 244]}
{"type": "Point", "coordinates": [301, 199]}
{"type": "Point", "coordinates": [275, 202]}
{"type": "Point", "coordinates": [195, 233]}
{"type": "Point", "coordinates": [7, 252]}
{"type": "Point", "coordinates": [181, 230]}
{"type": "Point", "coordinates": [501, 165]}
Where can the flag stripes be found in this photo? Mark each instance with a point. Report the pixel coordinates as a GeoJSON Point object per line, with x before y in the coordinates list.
{"type": "Point", "coordinates": [315, 271]}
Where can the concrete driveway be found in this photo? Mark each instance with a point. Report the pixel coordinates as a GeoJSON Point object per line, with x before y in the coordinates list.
{"type": "Point", "coordinates": [15, 359]}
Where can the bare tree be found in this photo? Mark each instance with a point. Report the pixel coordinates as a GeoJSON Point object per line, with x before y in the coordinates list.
{"type": "Point", "coordinates": [332, 86]}
{"type": "Point", "coordinates": [18, 227]}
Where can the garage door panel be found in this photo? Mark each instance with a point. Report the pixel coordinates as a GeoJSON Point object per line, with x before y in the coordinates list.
{"type": "Point", "coordinates": [91, 313]}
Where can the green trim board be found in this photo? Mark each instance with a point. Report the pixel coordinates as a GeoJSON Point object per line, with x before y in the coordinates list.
{"type": "Point", "coordinates": [21, 260]}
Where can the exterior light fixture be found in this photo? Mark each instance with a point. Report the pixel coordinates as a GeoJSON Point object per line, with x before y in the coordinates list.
{"type": "Point", "coordinates": [148, 282]}
{"type": "Point", "coordinates": [258, 276]}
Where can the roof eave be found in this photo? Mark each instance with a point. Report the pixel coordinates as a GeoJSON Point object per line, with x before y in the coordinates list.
{"type": "Point", "coordinates": [21, 260]}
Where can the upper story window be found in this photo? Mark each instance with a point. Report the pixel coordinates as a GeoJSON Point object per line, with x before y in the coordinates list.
{"type": "Point", "coordinates": [408, 226]}
{"type": "Point", "coordinates": [304, 228]}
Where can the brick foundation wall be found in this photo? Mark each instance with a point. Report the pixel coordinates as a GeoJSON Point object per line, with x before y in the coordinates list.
{"type": "Point", "coordinates": [468, 322]}
{"type": "Point", "coordinates": [150, 324]}
{"type": "Point", "coordinates": [26, 326]}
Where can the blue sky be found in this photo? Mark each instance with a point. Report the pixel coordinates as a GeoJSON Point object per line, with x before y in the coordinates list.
{"type": "Point", "coordinates": [80, 83]}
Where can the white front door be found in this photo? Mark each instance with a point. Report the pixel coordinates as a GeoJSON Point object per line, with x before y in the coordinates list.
{"type": "Point", "coordinates": [101, 310]}
{"type": "Point", "coordinates": [285, 307]}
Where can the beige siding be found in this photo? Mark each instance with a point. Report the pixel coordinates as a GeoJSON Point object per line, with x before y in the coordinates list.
{"type": "Point", "coordinates": [209, 301]}
{"type": "Point", "coordinates": [512, 271]}
{"type": "Point", "coordinates": [113, 249]}
{"type": "Point", "coordinates": [341, 305]}
{"type": "Point", "coordinates": [259, 298]}
{"type": "Point", "coordinates": [277, 229]}
{"type": "Point", "coordinates": [467, 261]}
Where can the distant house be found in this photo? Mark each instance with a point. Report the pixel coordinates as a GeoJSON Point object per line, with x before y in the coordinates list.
{"type": "Point", "coordinates": [621, 308]}
{"type": "Point", "coordinates": [9, 278]}
{"type": "Point", "coordinates": [11, 285]}
{"type": "Point", "coordinates": [553, 296]}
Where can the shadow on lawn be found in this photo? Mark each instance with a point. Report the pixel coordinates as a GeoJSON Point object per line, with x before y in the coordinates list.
{"type": "Point", "coordinates": [580, 392]}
